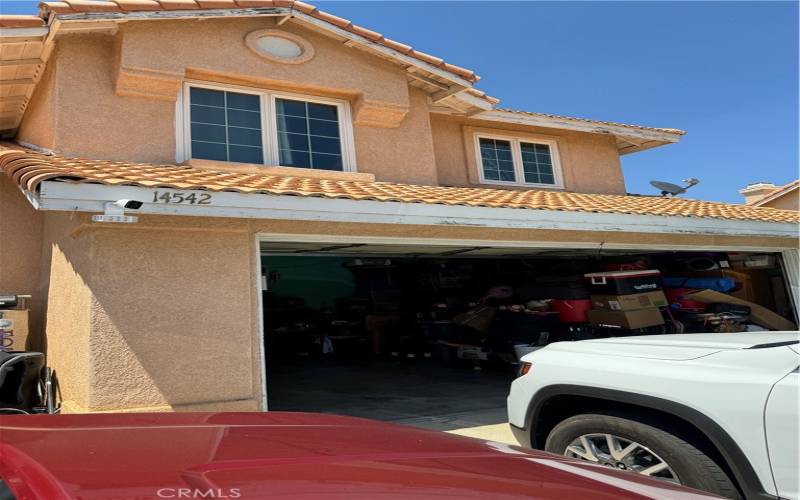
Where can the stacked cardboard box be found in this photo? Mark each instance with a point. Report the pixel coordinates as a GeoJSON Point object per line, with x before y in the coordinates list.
{"type": "Point", "coordinates": [13, 329]}
{"type": "Point", "coordinates": [626, 299]}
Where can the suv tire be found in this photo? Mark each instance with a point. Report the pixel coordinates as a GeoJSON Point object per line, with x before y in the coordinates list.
{"type": "Point", "coordinates": [692, 467]}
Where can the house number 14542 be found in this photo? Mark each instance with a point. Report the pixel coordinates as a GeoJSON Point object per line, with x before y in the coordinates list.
{"type": "Point", "coordinates": [173, 197]}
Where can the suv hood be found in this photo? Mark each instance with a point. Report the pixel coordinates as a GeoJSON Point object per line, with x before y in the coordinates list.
{"type": "Point", "coordinates": [679, 347]}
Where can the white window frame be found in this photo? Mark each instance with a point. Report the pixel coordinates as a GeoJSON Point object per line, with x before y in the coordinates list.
{"type": "Point", "coordinates": [269, 125]}
{"type": "Point", "coordinates": [516, 156]}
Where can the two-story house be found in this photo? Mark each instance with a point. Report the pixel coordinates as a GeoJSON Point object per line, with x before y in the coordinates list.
{"type": "Point", "coordinates": [236, 130]}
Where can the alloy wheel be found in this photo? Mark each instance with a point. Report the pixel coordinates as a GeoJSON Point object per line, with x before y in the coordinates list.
{"type": "Point", "coordinates": [621, 454]}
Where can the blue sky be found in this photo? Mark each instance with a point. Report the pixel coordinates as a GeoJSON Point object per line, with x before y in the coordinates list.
{"type": "Point", "coordinates": [726, 72]}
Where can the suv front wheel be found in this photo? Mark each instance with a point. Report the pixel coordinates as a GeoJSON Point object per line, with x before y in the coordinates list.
{"type": "Point", "coordinates": [622, 443]}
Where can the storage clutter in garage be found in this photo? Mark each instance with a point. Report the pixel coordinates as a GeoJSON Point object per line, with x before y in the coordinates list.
{"type": "Point", "coordinates": [471, 311]}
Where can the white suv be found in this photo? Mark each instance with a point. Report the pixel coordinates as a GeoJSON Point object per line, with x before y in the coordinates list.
{"type": "Point", "coordinates": [716, 411]}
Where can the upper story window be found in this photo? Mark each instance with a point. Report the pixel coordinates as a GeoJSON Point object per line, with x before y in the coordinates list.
{"type": "Point", "coordinates": [308, 135]}
{"type": "Point", "coordinates": [225, 126]}
{"type": "Point", "coordinates": [518, 161]}
{"type": "Point", "coordinates": [239, 125]}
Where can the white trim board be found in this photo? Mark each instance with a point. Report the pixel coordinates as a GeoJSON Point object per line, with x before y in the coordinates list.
{"type": "Point", "coordinates": [55, 195]}
{"type": "Point", "coordinates": [446, 243]}
{"type": "Point", "coordinates": [567, 123]}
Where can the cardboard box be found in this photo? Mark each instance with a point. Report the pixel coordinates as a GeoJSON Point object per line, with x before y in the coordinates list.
{"type": "Point", "coordinates": [14, 329]}
{"type": "Point", "coordinates": [753, 261]}
{"type": "Point", "coordinates": [629, 320]}
{"type": "Point", "coordinates": [631, 302]}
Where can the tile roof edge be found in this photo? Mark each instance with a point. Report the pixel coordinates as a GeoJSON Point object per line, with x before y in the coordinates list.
{"type": "Point", "coordinates": [21, 21]}
{"type": "Point", "coordinates": [28, 169]}
{"type": "Point", "coordinates": [674, 131]}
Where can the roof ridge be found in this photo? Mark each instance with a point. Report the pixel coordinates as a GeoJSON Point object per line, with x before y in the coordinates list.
{"type": "Point", "coordinates": [28, 169]}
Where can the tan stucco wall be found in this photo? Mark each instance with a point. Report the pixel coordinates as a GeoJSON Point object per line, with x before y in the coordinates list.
{"type": "Point", "coordinates": [38, 127]}
{"type": "Point", "coordinates": [788, 201]}
{"type": "Point", "coordinates": [93, 119]}
{"type": "Point", "coordinates": [20, 254]}
{"type": "Point", "coordinates": [590, 162]}
{"type": "Point", "coordinates": [402, 154]}
{"type": "Point", "coordinates": [163, 314]}
{"type": "Point", "coordinates": [152, 319]}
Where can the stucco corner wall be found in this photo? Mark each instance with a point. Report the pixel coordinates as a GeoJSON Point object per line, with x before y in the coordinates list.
{"type": "Point", "coordinates": [92, 120]}
{"type": "Point", "coordinates": [68, 262]}
{"type": "Point", "coordinates": [153, 318]}
{"type": "Point", "coordinates": [403, 154]}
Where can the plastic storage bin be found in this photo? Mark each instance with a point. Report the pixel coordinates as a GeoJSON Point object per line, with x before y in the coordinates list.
{"type": "Point", "coordinates": [624, 282]}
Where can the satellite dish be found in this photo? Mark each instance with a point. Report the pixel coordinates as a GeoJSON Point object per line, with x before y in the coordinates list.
{"type": "Point", "coordinates": [670, 189]}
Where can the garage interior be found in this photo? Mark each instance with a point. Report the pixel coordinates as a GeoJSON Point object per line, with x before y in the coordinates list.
{"type": "Point", "coordinates": [431, 336]}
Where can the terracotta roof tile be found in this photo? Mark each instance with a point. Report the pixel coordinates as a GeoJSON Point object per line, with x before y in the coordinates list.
{"type": "Point", "coordinates": [80, 6]}
{"type": "Point", "coordinates": [93, 6]}
{"type": "Point", "coordinates": [28, 169]}
{"type": "Point", "coordinates": [179, 4]}
{"type": "Point", "coordinates": [19, 21]}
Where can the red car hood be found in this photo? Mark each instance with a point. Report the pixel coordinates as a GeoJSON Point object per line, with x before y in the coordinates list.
{"type": "Point", "coordinates": [284, 455]}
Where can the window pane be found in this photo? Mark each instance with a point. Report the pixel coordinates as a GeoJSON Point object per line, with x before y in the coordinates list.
{"type": "Point", "coordinates": [504, 154]}
{"type": "Point", "coordinates": [209, 151]}
{"type": "Point", "coordinates": [537, 163]}
{"type": "Point", "coordinates": [295, 159]}
{"type": "Point", "coordinates": [238, 118]}
{"type": "Point", "coordinates": [325, 145]}
{"type": "Point", "coordinates": [207, 97]}
{"type": "Point", "coordinates": [298, 142]}
{"type": "Point", "coordinates": [326, 128]}
{"type": "Point", "coordinates": [327, 162]}
{"type": "Point", "coordinates": [292, 124]}
{"type": "Point", "coordinates": [323, 111]}
{"type": "Point", "coordinates": [243, 101]}
{"type": "Point", "coordinates": [308, 135]}
{"type": "Point", "coordinates": [245, 154]}
{"type": "Point", "coordinates": [225, 126]}
{"type": "Point", "coordinates": [208, 133]}
{"type": "Point", "coordinates": [291, 108]}
{"type": "Point", "coordinates": [206, 114]}
{"type": "Point", "coordinates": [496, 160]}
{"type": "Point", "coordinates": [244, 136]}
{"type": "Point", "coordinates": [507, 176]}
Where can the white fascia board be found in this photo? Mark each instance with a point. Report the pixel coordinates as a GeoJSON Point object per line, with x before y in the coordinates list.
{"type": "Point", "coordinates": [55, 195]}
{"type": "Point", "coordinates": [170, 14]}
{"type": "Point", "coordinates": [578, 125]}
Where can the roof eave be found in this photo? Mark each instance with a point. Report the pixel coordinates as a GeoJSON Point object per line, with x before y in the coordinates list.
{"type": "Point", "coordinates": [636, 138]}
{"type": "Point", "coordinates": [91, 197]}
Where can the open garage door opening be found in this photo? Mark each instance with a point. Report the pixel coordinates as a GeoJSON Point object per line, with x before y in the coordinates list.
{"type": "Point", "coordinates": [431, 335]}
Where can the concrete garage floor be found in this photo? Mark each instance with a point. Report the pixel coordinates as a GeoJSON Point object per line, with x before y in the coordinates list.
{"type": "Point", "coordinates": [423, 394]}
